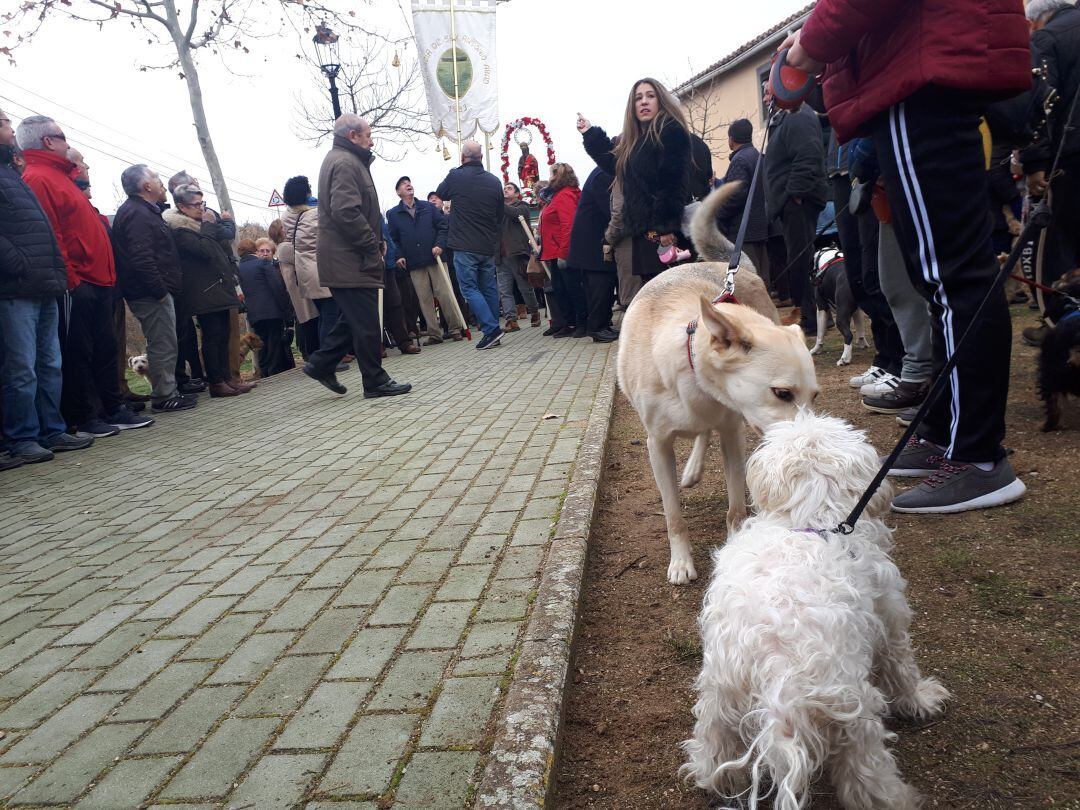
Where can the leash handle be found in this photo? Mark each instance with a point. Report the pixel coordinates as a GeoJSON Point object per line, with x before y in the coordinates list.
{"type": "Point", "coordinates": [790, 86]}
{"type": "Point", "coordinates": [1040, 218]}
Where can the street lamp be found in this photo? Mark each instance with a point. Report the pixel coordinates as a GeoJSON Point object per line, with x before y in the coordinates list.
{"type": "Point", "coordinates": [327, 48]}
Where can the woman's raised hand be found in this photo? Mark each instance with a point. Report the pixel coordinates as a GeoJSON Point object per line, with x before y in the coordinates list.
{"type": "Point", "coordinates": [582, 123]}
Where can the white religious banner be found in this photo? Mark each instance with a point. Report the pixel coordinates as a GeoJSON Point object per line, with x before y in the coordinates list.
{"type": "Point", "coordinates": [476, 101]}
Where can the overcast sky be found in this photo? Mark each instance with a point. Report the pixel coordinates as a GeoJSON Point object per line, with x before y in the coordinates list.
{"type": "Point", "coordinates": [555, 58]}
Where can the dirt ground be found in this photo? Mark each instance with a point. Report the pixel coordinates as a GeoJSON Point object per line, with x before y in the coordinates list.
{"type": "Point", "coordinates": [995, 595]}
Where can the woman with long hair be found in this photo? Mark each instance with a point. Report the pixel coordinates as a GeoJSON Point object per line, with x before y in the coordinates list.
{"type": "Point", "coordinates": [556, 221]}
{"type": "Point", "coordinates": [651, 163]}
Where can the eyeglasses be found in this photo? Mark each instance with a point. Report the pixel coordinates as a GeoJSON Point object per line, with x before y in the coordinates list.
{"type": "Point", "coordinates": [193, 205]}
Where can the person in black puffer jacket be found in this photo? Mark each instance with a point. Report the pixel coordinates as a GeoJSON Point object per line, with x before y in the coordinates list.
{"type": "Point", "coordinates": [268, 307]}
{"type": "Point", "coordinates": [32, 278]}
{"type": "Point", "coordinates": [652, 164]}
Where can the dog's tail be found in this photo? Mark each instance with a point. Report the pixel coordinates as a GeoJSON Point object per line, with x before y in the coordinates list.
{"type": "Point", "coordinates": [711, 245]}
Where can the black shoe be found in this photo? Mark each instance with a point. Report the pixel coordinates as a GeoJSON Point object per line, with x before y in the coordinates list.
{"type": "Point", "coordinates": [387, 389]}
{"type": "Point", "coordinates": [490, 340]}
{"type": "Point", "coordinates": [63, 442]}
{"type": "Point", "coordinates": [603, 336]}
{"type": "Point", "coordinates": [329, 380]}
{"type": "Point", "coordinates": [98, 429]}
{"type": "Point", "coordinates": [124, 419]}
{"type": "Point", "coordinates": [134, 405]}
{"type": "Point", "coordinates": [194, 386]}
{"type": "Point", "coordinates": [566, 331]}
{"type": "Point", "coordinates": [551, 330]}
{"type": "Point", "coordinates": [1035, 335]}
{"type": "Point", "coordinates": [579, 332]}
{"type": "Point", "coordinates": [905, 395]}
{"type": "Point", "coordinates": [177, 402]}
{"type": "Point", "coordinates": [341, 367]}
{"type": "Point", "coordinates": [8, 461]}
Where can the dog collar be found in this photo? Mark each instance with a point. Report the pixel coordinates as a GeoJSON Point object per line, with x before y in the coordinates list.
{"type": "Point", "coordinates": [822, 533]}
{"type": "Point", "coordinates": [691, 328]}
{"type": "Point", "coordinates": [1067, 316]}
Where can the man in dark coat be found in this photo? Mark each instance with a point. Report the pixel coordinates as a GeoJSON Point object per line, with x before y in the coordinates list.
{"type": "Point", "coordinates": [916, 78]}
{"type": "Point", "coordinates": [795, 193]}
{"type": "Point", "coordinates": [476, 215]}
{"type": "Point", "coordinates": [350, 257]}
{"type": "Point", "coordinates": [514, 252]}
{"type": "Point", "coordinates": [588, 252]}
{"type": "Point", "coordinates": [743, 162]}
{"type": "Point", "coordinates": [1055, 47]}
{"type": "Point", "coordinates": [32, 278]}
{"type": "Point", "coordinates": [419, 229]}
{"type": "Point", "coordinates": [149, 276]}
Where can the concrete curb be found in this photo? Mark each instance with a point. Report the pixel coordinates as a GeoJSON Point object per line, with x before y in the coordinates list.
{"type": "Point", "coordinates": [519, 768]}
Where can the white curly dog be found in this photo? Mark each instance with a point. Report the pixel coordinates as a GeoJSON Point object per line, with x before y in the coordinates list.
{"type": "Point", "coordinates": [805, 633]}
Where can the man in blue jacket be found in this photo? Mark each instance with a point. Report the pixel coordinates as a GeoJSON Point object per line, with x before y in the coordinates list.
{"type": "Point", "coordinates": [419, 230]}
{"type": "Point", "coordinates": [32, 277]}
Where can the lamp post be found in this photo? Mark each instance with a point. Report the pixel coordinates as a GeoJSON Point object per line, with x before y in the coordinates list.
{"type": "Point", "coordinates": [327, 48]}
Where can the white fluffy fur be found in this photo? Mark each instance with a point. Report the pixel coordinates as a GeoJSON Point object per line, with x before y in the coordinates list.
{"type": "Point", "coordinates": [139, 364]}
{"type": "Point", "coordinates": [805, 639]}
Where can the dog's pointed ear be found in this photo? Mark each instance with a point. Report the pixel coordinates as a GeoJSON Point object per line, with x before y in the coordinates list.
{"type": "Point", "coordinates": [723, 329]}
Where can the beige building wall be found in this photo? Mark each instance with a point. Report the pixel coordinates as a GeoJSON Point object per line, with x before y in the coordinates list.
{"type": "Point", "coordinates": [732, 95]}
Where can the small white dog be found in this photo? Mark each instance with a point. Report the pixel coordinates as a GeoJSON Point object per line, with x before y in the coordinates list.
{"type": "Point", "coordinates": [805, 633]}
{"type": "Point", "coordinates": [139, 364]}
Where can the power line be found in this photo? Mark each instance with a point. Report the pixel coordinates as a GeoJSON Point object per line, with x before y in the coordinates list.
{"type": "Point", "coordinates": [132, 157]}
{"type": "Point", "coordinates": [199, 164]}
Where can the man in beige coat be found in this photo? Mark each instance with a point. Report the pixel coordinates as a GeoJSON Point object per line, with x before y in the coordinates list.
{"type": "Point", "coordinates": [350, 258]}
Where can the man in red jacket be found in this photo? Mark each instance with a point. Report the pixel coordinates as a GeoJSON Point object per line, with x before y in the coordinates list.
{"type": "Point", "coordinates": [915, 75]}
{"type": "Point", "coordinates": [91, 393]}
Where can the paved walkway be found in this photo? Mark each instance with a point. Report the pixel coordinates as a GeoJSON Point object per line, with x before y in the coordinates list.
{"type": "Point", "coordinates": [287, 598]}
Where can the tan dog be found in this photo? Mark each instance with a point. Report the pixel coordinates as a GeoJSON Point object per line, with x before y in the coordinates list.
{"type": "Point", "coordinates": [249, 342]}
{"type": "Point", "coordinates": [737, 364]}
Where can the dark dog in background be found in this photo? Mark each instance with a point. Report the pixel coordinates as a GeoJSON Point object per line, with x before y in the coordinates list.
{"type": "Point", "coordinates": [1059, 354]}
{"type": "Point", "coordinates": [832, 292]}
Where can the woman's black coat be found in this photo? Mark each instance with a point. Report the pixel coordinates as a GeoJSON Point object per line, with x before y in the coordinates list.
{"type": "Point", "coordinates": [656, 185]}
{"type": "Point", "coordinates": [590, 222]}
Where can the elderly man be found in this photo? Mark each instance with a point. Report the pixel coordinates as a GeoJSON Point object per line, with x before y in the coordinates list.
{"type": "Point", "coordinates": [91, 400]}
{"type": "Point", "coordinates": [1055, 49]}
{"type": "Point", "coordinates": [350, 258]}
{"type": "Point", "coordinates": [419, 230]}
{"type": "Point", "coordinates": [32, 278]}
{"type": "Point", "coordinates": [148, 268]}
{"type": "Point", "coordinates": [476, 215]}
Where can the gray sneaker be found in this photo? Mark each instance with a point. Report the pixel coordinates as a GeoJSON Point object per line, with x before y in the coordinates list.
{"type": "Point", "coordinates": [958, 487]}
{"type": "Point", "coordinates": [917, 459]}
{"type": "Point", "coordinates": [31, 452]}
{"type": "Point", "coordinates": [63, 442]}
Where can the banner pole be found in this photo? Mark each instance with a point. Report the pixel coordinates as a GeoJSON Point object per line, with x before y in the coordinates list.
{"type": "Point", "coordinates": [457, 94]}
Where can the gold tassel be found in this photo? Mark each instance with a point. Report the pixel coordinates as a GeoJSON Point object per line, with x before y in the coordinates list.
{"type": "Point", "coordinates": [396, 62]}
{"type": "Point", "coordinates": [445, 153]}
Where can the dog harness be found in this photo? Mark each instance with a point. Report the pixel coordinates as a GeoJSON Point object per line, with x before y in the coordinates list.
{"type": "Point", "coordinates": [823, 260]}
{"type": "Point", "coordinates": [725, 297]}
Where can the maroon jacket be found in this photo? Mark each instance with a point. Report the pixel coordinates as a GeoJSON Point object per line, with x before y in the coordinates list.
{"type": "Point", "coordinates": [879, 52]}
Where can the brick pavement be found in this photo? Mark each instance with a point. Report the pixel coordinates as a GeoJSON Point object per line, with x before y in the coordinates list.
{"type": "Point", "coordinates": [286, 599]}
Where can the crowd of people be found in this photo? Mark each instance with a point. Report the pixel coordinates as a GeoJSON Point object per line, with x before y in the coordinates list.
{"type": "Point", "coordinates": [926, 179]}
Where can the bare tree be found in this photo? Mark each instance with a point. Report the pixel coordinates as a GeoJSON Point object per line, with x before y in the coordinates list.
{"type": "Point", "coordinates": [390, 97]}
{"type": "Point", "coordinates": [181, 28]}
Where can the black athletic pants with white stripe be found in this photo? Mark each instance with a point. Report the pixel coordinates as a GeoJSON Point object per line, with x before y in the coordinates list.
{"type": "Point", "coordinates": [932, 161]}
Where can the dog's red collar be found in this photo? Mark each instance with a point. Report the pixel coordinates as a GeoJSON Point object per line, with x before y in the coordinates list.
{"type": "Point", "coordinates": [691, 328]}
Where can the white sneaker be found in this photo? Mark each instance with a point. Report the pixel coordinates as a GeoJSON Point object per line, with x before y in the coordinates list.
{"type": "Point", "coordinates": [883, 385]}
{"type": "Point", "coordinates": [872, 374]}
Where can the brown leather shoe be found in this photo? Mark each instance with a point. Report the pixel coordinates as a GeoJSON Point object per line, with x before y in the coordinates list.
{"type": "Point", "coordinates": [456, 336]}
{"type": "Point", "coordinates": [410, 348]}
{"type": "Point", "coordinates": [535, 319]}
{"type": "Point", "coordinates": [511, 326]}
{"type": "Point", "coordinates": [521, 313]}
{"type": "Point", "coordinates": [241, 387]}
{"type": "Point", "coordinates": [223, 390]}
{"type": "Point", "coordinates": [795, 316]}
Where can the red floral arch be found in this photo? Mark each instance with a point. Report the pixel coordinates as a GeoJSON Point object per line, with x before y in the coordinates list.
{"type": "Point", "coordinates": [513, 127]}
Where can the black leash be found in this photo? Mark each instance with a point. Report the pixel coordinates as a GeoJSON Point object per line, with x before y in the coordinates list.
{"type": "Point", "coordinates": [1038, 220]}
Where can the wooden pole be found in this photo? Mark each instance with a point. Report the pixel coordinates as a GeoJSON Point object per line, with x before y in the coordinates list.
{"type": "Point", "coordinates": [455, 309]}
{"type": "Point", "coordinates": [457, 93]}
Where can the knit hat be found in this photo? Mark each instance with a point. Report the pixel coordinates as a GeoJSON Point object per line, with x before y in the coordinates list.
{"type": "Point", "coordinates": [741, 131]}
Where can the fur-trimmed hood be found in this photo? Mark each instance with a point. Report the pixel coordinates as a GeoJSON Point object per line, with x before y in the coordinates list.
{"type": "Point", "coordinates": [174, 219]}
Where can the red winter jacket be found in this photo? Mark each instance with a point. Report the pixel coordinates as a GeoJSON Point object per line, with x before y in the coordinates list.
{"type": "Point", "coordinates": [879, 52]}
{"type": "Point", "coordinates": [556, 220]}
{"type": "Point", "coordinates": [79, 229]}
